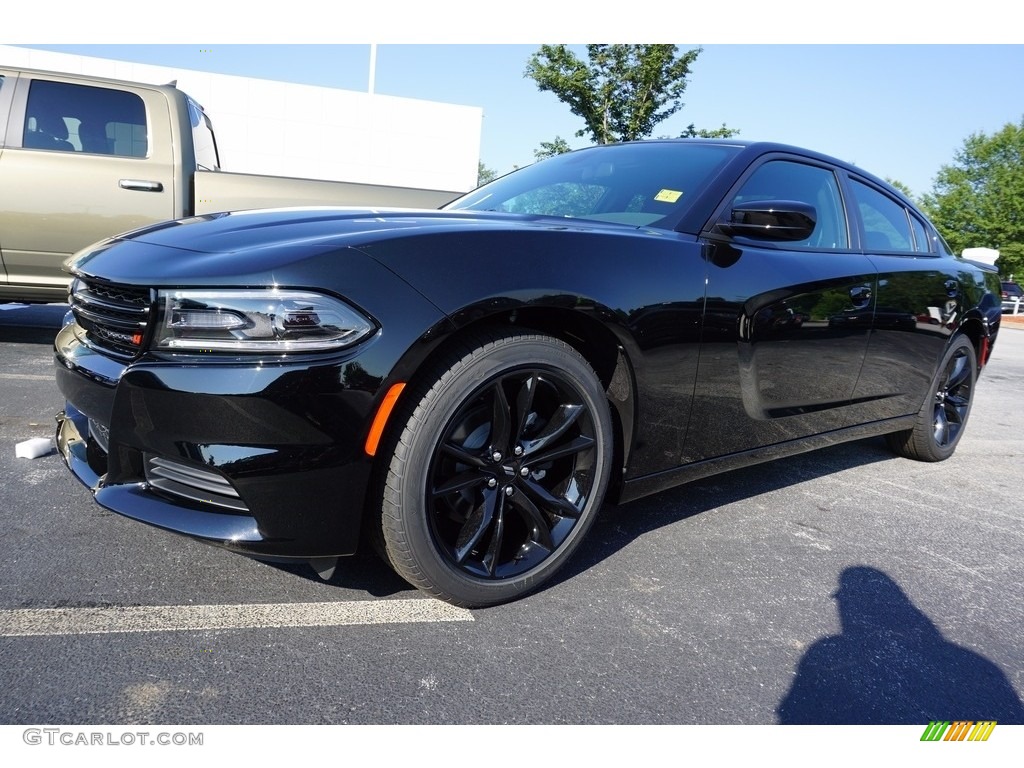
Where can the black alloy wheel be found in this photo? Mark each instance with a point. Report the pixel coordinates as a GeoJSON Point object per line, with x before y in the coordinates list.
{"type": "Point", "coordinates": [943, 417]}
{"type": "Point", "coordinates": [507, 462]}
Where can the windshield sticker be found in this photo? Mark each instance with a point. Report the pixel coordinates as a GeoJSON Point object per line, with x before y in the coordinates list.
{"type": "Point", "coordinates": [668, 196]}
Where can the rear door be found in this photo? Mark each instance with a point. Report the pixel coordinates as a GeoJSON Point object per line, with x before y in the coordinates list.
{"type": "Point", "coordinates": [81, 162]}
{"type": "Point", "coordinates": [918, 305]}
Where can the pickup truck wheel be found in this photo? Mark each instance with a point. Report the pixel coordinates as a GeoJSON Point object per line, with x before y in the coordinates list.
{"type": "Point", "coordinates": [499, 470]}
{"type": "Point", "coordinates": [943, 417]}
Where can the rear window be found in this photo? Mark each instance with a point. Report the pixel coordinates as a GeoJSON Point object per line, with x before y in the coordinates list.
{"type": "Point", "coordinates": [66, 117]}
{"type": "Point", "coordinates": [202, 138]}
{"type": "Point", "coordinates": [886, 222]}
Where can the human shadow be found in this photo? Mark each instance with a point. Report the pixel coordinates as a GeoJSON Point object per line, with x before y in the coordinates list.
{"type": "Point", "coordinates": [891, 665]}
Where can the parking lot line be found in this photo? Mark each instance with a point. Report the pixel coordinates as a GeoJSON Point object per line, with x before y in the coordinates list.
{"type": "Point", "coordinates": [27, 376]}
{"type": "Point", "coordinates": [32, 622]}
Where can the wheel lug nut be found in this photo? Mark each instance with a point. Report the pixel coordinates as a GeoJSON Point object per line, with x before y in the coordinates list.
{"type": "Point", "coordinates": [508, 490]}
{"type": "Point", "coordinates": [496, 456]}
{"type": "Point", "coordinates": [524, 471]}
{"type": "Point", "coordinates": [519, 450]}
{"type": "Point", "coordinates": [492, 483]}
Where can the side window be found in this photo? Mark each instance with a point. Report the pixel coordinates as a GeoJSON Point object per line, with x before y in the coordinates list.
{"type": "Point", "coordinates": [787, 180]}
{"type": "Point", "coordinates": [83, 118]}
{"type": "Point", "coordinates": [202, 137]}
{"type": "Point", "coordinates": [920, 235]}
{"type": "Point", "coordinates": [886, 222]}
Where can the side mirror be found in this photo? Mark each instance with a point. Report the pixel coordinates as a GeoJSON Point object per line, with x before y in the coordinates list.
{"type": "Point", "coordinates": [779, 220]}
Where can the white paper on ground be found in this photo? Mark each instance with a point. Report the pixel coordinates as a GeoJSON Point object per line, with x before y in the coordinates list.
{"type": "Point", "coordinates": [34, 448]}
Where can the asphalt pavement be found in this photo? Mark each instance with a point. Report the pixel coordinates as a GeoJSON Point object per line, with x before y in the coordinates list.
{"type": "Point", "coordinates": [845, 585]}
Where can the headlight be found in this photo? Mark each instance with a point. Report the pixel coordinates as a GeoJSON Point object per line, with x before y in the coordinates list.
{"type": "Point", "coordinates": [257, 321]}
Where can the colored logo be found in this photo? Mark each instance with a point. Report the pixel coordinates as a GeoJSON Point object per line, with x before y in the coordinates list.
{"type": "Point", "coordinates": [958, 730]}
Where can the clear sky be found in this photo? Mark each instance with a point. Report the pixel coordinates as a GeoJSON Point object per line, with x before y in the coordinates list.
{"type": "Point", "coordinates": [898, 110]}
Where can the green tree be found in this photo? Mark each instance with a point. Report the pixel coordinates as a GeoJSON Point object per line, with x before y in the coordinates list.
{"type": "Point", "coordinates": [621, 92]}
{"type": "Point", "coordinates": [722, 132]}
{"type": "Point", "coordinates": [907, 191]}
{"type": "Point", "coordinates": [484, 174]}
{"type": "Point", "coordinates": [978, 200]}
{"type": "Point", "coordinates": [547, 149]}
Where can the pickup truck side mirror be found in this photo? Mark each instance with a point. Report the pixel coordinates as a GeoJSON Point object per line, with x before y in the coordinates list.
{"type": "Point", "coordinates": [777, 220]}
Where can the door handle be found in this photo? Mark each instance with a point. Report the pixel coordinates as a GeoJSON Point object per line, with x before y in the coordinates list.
{"type": "Point", "coordinates": [860, 296]}
{"type": "Point", "coordinates": [952, 288]}
{"type": "Point", "coordinates": [140, 185]}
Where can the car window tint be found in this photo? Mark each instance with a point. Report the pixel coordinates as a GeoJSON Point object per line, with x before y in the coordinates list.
{"type": "Point", "coordinates": [921, 243]}
{"type": "Point", "coordinates": [565, 199]}
{"type": "Point", "coordinates": [634, 184]}
{"type": "Point", "coordinates": [810, 184]}
{"type": "Point", "coordinates": [81, 118]}
{"type": "Point", "coordinates": [886, 222]}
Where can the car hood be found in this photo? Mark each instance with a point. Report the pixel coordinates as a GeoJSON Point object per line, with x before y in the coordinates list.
{"type": "Point", "coordinates": [250, 245]}
{"type": "Point", "coordinates": [223, 233]}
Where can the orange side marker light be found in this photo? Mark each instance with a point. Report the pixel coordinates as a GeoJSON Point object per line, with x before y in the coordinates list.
{"type": "Point", "coordinates": [381, 419]}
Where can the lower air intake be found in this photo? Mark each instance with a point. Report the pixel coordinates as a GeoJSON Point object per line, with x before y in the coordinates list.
{"type": "Point", "coordinates": [193, 483]}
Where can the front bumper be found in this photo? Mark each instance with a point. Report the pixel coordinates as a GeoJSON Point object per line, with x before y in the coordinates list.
{"type": "Point", "coordinates": [262, 458]}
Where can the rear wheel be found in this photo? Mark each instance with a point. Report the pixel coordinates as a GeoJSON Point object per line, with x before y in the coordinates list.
{"type": "Point", "coordinates": [499, 470]}
{"type": "Point", "coordinates": [943, 417]}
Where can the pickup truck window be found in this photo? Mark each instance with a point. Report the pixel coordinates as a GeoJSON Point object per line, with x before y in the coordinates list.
{"type": "Point", "coordinates": [82, 118]}
{"type": "Point", "coordinates": [202, 138]}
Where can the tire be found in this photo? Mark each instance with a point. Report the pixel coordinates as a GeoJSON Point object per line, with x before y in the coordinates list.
{"type": "Point", "coordinates": [943, 417]}
{"type": "Point", "coordinates": [500, 466]}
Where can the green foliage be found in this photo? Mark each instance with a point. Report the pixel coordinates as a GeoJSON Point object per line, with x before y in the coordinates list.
{"type": "Point", "coordinates": [622, 92]}
{"type": "Point", "coordinates": [709, 133]}
{"type": "Point", "coordinates": [907, 191]}
{"type": "Point", "coordinates": [484, 174]}
{"type": "Point", "coordinates": [978, 200]}
{"type": "Point", "coordinates": [551, 148]}
{"type": "Point", "coordinates": [563, 199]}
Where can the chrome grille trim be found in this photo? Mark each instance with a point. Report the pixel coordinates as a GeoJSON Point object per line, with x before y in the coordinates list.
{"type": "Point", "coordinates": [193, 483]}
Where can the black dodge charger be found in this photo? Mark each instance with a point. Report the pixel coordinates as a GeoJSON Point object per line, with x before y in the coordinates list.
{"type": "Point", "coordinates": [464, 388]}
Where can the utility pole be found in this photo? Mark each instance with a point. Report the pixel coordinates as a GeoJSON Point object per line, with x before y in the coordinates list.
{"type": "Point", "coordinates": [373, 65]}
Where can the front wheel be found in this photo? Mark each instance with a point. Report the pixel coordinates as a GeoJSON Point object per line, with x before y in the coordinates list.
{"type": "Point", "coordinates": [499, 470]}
{"type": "Point", "coordinates": [943, 417]}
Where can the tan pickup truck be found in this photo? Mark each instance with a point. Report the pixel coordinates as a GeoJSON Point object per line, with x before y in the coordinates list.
{"type": "Point", "coordinates": [83, 158]}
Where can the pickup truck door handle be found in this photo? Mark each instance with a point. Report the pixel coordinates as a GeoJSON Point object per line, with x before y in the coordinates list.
{"type": "Point", "coordinates": [141, 186]}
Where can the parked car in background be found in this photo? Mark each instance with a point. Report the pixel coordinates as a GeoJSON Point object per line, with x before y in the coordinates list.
{"type": "Point", "coordinates": [1012, 297]}
{"type": "Point", "coordinates": [467, 386]}
{"type": "Point", "coordinates": [84, 158]}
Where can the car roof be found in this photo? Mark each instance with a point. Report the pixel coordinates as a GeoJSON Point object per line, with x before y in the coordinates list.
{"type": "Point", "coordinates": [752, 148]}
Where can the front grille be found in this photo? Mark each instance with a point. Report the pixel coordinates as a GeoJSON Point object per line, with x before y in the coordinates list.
{"type": "Point", "coordinates": [114, 317]}
{"type": "Point", "coordinates": [191, 482]}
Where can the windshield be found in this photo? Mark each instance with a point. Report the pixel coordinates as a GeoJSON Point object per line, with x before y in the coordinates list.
{"type": "Point", "coordinates": [637, 184]}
